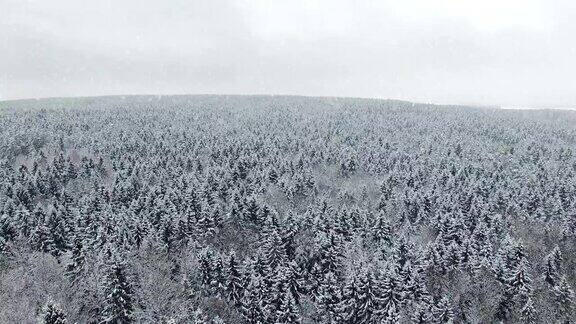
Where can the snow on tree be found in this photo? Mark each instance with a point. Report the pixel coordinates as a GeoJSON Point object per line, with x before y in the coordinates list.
{"type": "Point", "coordinates": [52, 314]}
{"type": "Point", "coordinates": [119, 296]}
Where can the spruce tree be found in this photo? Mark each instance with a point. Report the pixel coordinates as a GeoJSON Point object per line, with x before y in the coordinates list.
{"type": "Point", "coordinates": [251, 211]}
{"type": "Point", "coordinates": [422, 314]}
{"type": "Point", "coordinates": [348, 306]}
{"type": "Point", "coordinates": [390, 295]}
{"type": "Point", "coordinates": [369, 295]}
{"type": "Point", "coordinates": [53, 314]}
{"type": "Point", "coordinates": [78, 258]}
{"type": "Point", "coordinates": [58, 227]}
{"type": "Point", "coordinates": [381, 231]}
{"type": "Point", "coordinates": [119, 298]}
{"type": "Point", "coordinates": [443, 312]}
{"type": "Point", "coordinates": [330, 254]}
{"type": "Point", "coordinates": [206, 260]}
{"type": "Point", "coordinates": [287, 311]}
{"type": "Point", "coordinates": [234, 283]}
{"type": "Point", "coordinates": [273, 250]}
{"type": "Point", "coordinates": [328, 297]}
{"type": "Point", "coordinates": [518, 280]}
{"type": "Point", "coordinates": [392, 316]}
{"type": "Point", "coordinates": [553, 267]}
{"type": "Point", "coordinates": [42, 239]}
{"type": "Point", "coordinates": [413, 286]}
{"type": "Point", "coordinates": [288, 233]}
{"type": "Point", "coordinates": [528, 313]}
{"type": "Point", "coordinates": [198, 317]}
{"type": "Point", "coordinates": [294, 279]}
{"type": "Point", "coordinates": [564, 296]}
{"type": "Point", "coordinates": [254, 308]}
{"type": "Point", "coordinates": [7, 232]}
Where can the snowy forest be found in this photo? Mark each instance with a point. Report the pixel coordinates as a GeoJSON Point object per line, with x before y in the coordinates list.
{"type": "Point", "coordinates": [281, 209]}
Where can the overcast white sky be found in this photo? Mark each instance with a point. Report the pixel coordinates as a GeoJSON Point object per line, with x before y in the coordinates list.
{"type": "Point", "coordinates": [503, 52]}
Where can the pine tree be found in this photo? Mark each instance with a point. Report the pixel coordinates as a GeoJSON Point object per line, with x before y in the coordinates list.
{"type": "Point", "coordinates": [381, 231]}
{"type": "Point", "coordinates": [330, 254]}
{"type": "Point", "coordinates": [348, 306]}
{"type": "Point", "coordinates": [422, 314]}
{"type": "Point", "coordinates": [564, 296]}
{"type": "Point", "coordinates": [205, 260]}
{"type": "Point", "coordinates": [49, 236]}
{"type": "Point", "coordinates": [328, 297]}
{"type": "Point", "coordinates": [234, 283]}
{"type": "Point", "coordinates": [413, 286]}
{"type": "Point", "coordinates": [278, 289]}
{"type": "Point", "coordinates": [443, 312]}
{"type": "Point", "coordinates": [167, 235]}
{"type": "Point", "coordinates": [288, 234]}
{"type": "Point", "coordinates": [390, 295]}
{"type": "Point", "coordinates": [342, 224]}
{"type": "Point", "coordinates": [22, 221]}
{"type": "Point", "coordinates": [53, 314]}
{"type": "Point", "coordinates": [42, 239]}
{"type": "Point", "coordinates": [254, 308]}
{"type": "Point", "coordinates": [511, 267]}
{"type": "Point", "coordinates": [273, 250]}
{"type": "Point", "coordinates": [198, 317]}
{"type": "Point", "coordinates": [7, 232]}
{"type": "Point", "coordinates": [287, 310]}
{"type": "Point", "coordinates": [252, 211]}
{"type": "Point", "coordinates": [71, 171]}
{"type": "Point", "coordinates": [59, 227]}
{"type": "Point", "coordinates": [294, 279]}
{"type": "Point", "coordinates": [553, 268]}
{"type": "Point", "coordinates": [518, 280]}
{"type": "Point", "coordinates": [368, 299]}
{"type": "Point", "coordinates": [119, 299]}
{"type": "Point", "coordinates": [217, 320]}
{"type": "Point", "coordinates": [78, 258]}
{"type": "Point", "coordinates": [139, 232]}
{"type": "Point", "coordinates": [348, 163]}
{"type": "Point", "coordinates": [218, 275]}
{"type": "Point", "coordinates": [207, 224]}
{"type": "Point", "coordinates": [391, 316]}
{"type": "Point", "coordinates": [528, 313]}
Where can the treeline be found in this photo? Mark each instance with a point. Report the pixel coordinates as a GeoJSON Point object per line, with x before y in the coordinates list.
{"type": "Point", "coordinates": [247, 209]}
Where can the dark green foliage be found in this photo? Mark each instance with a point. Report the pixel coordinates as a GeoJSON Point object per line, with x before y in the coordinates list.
{"type": "Point", "coordinates": [338, 210]}
{"type": "Point", "coordinates": [77, 262]}
{"type": "Point", "coordinates": [119, 297]}
{"type": "Point", "coordinates": [234, 282]}
{"type": "Point", "coordinates": [328, 298]}
{"type": "Point", "coordinates": [52, 314]}
{"type": "Point", "coordinates": [553, 268]}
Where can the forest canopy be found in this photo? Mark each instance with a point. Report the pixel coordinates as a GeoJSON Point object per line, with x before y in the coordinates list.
{"type": "Point", "coordinates": [282, 209]}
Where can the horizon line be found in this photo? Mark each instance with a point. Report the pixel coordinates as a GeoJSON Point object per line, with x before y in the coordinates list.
{"type": "Point", "coordinates": [476, 105]}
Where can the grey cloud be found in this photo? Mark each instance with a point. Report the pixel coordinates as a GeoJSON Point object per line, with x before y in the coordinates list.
{"type": "Point", "coordinates": [329, 48]}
